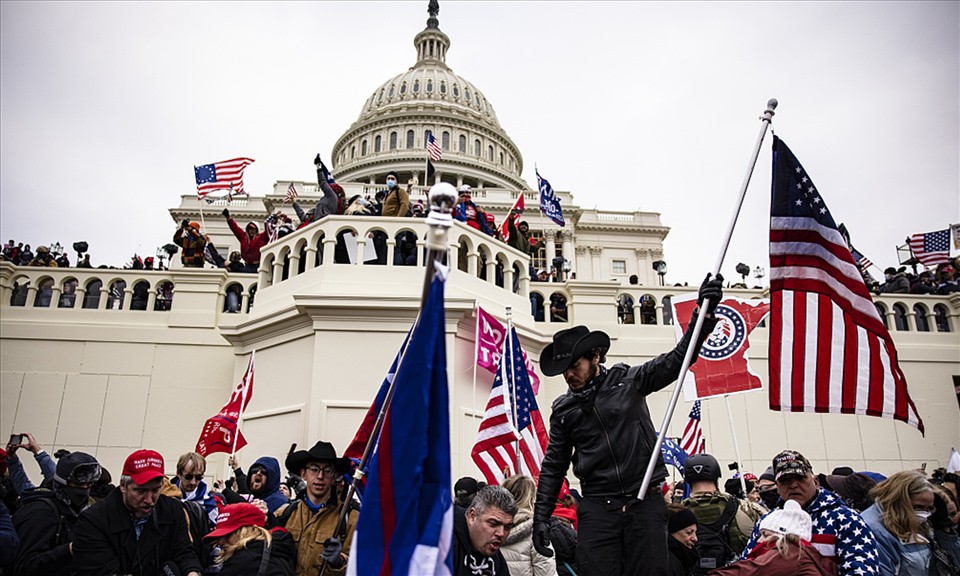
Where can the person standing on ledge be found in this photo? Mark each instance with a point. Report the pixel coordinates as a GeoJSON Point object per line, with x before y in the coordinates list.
{"type": "Point", "coordinates": [602, 424]}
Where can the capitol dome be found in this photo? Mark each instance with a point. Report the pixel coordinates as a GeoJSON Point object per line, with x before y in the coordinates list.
{"type": "Point", "coordinates": [391, 130]}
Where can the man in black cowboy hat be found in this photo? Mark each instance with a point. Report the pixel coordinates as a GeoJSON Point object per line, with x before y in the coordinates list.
{"type": "Point", "coordinates": [312, 518]}
{"type": "Point", "coordinates": [602, 424]}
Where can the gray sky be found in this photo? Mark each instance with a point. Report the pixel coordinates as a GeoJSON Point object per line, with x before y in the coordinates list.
{"type": "Point", "coordinates": [106, 107]}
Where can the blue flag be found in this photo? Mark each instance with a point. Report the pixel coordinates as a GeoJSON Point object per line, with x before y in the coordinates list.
{"type": "Point", "coordinates": [549, 202]}
{"type": "Point", "coordinates": [673, 454]}
{"type": "Point", "coordinates": [406, 522]}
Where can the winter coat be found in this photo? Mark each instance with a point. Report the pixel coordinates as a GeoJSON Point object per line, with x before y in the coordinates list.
{"type": "Point", "coordinates": [838, 532]}
{"type": "Point", "coordinates": [467, 561]}
{"type": "Point", "coordinates": [397, 202]}
{"type": "Point", "coordinates": [896, 557]}
{"type": "Point", "coordinates": [9, 541]}
{"type": "Point", "coordinates": [468, 213]}
{"type": "Point", "coordinates": [249, 247]}
{"type": "Point", "coordinates": [45, 526]}
{"type": "Point", "coordinates": [310, 529]}
{"type": "Point", "coordinates": [191, 244]}
{"type": "Point", "coordinates": [522, 558]}
{"type": "Point", "coordinates": [606, 430]}
{"type": "Point", "coordinates": [270, 493]}
{"type": "Point", "coordinates": [769, 562]}
{"type": "Point", "coordinates": [949, 543]}
{"type": "Point", "coordinates": [246, 562]}
{"type": "Point", "coordinates": [202, 496]}
{"type": "Point", "coordinates": [682, 559]}
{"type": "Point", "coordinates": [105, 541]}
{"type": "Point", "coordinates": [563, 539]}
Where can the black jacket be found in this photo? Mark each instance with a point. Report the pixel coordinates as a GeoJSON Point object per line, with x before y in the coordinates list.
{"type": "Point", "coordinates": [45, 526]}
{"type": "Point", "coordinates": [104, 541]}
{"type": "Point", "coordinates": [467, 561]}
{"type": "Point", "coordinates": [682, 559]}
{"type": "Point", "coordinates": [606, 430]}
{"type": "Point", "coordinates": [246, 562]}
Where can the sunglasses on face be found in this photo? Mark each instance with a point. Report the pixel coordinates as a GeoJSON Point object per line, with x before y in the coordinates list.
{"type": "Point", "coordinates": [191, 477]}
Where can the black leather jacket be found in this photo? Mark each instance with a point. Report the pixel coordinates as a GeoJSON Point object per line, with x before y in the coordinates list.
{"type": "Point", "coordinates": [607, 432]}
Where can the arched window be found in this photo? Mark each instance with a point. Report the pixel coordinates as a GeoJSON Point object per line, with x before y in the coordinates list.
{"type": "Point", "coordinates": [900, 317]}
{"type": "Point", "coordinates": [883, 314]}
{"type": "Point", "coordinates": [393, 140]}
{"type": "Point", "coordinates": [625, 309]}
{"type": "Point", "coordinates": [410, 138]}
{"type": "Point", "coordinates": [426, 137]}
{"type": "Point", "coordinates": [445, 140]}
{"type": "Point", "coordinates": [536, 306]}
{"type": "Point", "coordinates": [466, 94]}
{"type": "Point", "coordinates": [164, 299]}
{"type": "Point", "coordinates": [403, 88]}
{"type": "Point", "coordinates": [456, 91]}
{"type": "Point", "coordinates": [390, 93]}
{"type": "Point", "coordinates": [558, 307]}
{"type": "Point", "coordinates": [429, 86]}
{"type": "Point", "coordinates": [44, 294]}
{"type": "Point", "coordinates": [353, 152]}
{"type": "Point", "coordinates": [443, 87]}
{"type": "Point", "coordinates": [648, 309]}
{"type": "Point", "coordinates": [463, 144]}
{"type": "Point", "coordinates": [476, 148]}
{"type": "Point", "coordinates": [377, 143]}
{"type": "Point", "coordinates": [920, 315]}
{"type": "Point", "coordinates": [141, 292]}
{"type": "Point", "coordinates": [363, 148]}
{"type": "Point", "coordinates": [501, 158]}
{"type": "Point", "coordinates": [490, 153]}
{"type": "Point", "coordinates": [68, 294]}
{"type": "Point", "coordinates": [941, 318]}
{"type": "Point", "coordinates": [91, 300]}
{"type": "Point", "coordinates": [416, 86]}
{"type": "Point", "coordinates": [667, 312]}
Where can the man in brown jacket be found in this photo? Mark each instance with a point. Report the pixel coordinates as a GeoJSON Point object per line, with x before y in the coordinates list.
{"type": "Point", "coordinates": [397, 201]}
{"type": "Point", "coordinates": [312, 518]}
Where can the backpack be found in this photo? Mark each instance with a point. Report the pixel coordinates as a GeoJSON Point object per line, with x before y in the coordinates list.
{"type": "Point", "coordinates": [713, 541]}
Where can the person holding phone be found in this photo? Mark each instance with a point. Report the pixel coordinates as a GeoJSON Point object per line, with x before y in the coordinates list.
{"type": "Point", "coordinates": [18, 476]}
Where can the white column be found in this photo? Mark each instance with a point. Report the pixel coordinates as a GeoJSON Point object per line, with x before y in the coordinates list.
{"type": "Point", "coordinates": [550, 237]}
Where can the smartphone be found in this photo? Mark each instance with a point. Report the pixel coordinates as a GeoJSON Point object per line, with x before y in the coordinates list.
{"type": "Point", "coordinates": [16, 439]}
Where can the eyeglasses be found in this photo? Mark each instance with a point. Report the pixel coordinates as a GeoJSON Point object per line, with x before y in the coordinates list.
{"type": "Point", "coordinates": [191, 477]}
{"type": "Point", "coordinates": [86, 473]}
{"type": "Point", "coordinates": [316, 470]}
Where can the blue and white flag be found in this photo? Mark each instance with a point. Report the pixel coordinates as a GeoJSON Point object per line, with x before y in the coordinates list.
{"type": "Point", "coordinates": [673, 454]}
{"type": "Point", "coordinates": [406, 522]}
{"type": "Point", "coordinates": [549, 201]}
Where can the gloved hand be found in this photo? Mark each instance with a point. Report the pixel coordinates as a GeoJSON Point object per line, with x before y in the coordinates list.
{"type": "Point", "coordinates": [226, 213]}
{"type": "Point", "coordinates": [541, 538]}
{"type": "Point", "coordinates": [317, 161]}
{"type": "Point", "coordinates": [712, 290]}
{"type": "Point", "coordinates": [331, 552]}
{"type": "Point", "coordinates": [185, 223]}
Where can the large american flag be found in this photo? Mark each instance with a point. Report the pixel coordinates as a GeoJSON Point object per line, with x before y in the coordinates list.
{"type": "Point", "coordinates": [931, 248]}
{"type": "Point", "coordinates": [495, 451]}
{"type": "Point", "coordinates": [692, 439]}
{"type": "Point", "coordinates": [226, 175]}
{"type": "Point", "coordinates": [433, 148]}
{"type": "Point", "coordinates": [829, 349]}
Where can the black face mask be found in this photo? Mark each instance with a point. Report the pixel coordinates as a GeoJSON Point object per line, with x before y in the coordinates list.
{"type": "Point", "coordinates": [76, 498]}
{"type": "Point", "coordinates": [770, 498]}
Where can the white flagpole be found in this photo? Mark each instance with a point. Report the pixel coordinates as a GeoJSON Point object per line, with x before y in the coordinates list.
{"type": "Point", "coordinates": [547, 258]}
{"type": "Point", "coordinates": [243, 400]}
{"type": "Point", "coordinates": [513, 382]}
{"type": "Point", "coordinates": [736, 445]}
{"type": "Point", "coordinates": [765, 119]}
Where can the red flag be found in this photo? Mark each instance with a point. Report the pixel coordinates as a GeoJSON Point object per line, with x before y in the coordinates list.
{"type": "Point", "coordinates": [221, 433]}
{"type": "Point", "coordinates": [490, 334]}
{"type": "Point", "coordinates": [518, 205]}
{"type": "Point", "coordinates": [722, 367]}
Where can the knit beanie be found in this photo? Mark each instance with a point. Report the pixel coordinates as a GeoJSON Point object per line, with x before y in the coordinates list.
{"type": "Point", "coordinates": [791, 519]}
{"type": "Point", "coordinates": [681, 520]}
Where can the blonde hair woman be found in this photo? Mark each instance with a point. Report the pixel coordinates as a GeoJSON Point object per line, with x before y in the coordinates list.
{"type": "Point", "coordinates": [518, 549]}
{"type": "Point", "coordinates": [899, 520]}
{"type": "Point", "coordinates": [247, 548]}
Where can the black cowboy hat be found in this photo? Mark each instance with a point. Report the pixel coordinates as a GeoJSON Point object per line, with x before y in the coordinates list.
{"type": "Point", "coordinates": [568, 346]}
{"type": "Point", "coordinates": [321, 451]}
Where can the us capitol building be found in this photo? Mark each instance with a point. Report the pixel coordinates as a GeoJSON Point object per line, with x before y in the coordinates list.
{"type": "Point", "coordinates": [97, 372]}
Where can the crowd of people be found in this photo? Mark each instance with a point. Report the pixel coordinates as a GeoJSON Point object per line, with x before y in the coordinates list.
{"type": "Point", "coordinates": [942, 280]}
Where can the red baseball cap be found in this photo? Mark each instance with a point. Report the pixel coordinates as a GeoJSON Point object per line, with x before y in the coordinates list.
{"type": "Point", "coordinates": [143, 466]}
{"type": "Point", "coordinates": [235, 516]}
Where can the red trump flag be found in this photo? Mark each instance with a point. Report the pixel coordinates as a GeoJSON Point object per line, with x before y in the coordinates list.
{"type": "Point", "coordinates": [221, 433]}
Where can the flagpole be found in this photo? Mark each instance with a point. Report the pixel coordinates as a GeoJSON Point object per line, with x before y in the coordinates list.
{"type": "Point", "coordinates": [736, 445]}
{"type": "Point", "coordinates": [203, 224]}
{"type": "Point", "coordinates": [547, 258]}
{"type": "Point", "coordinates": [243, 401]}
{"type": "Point", "coordinates": [476, 358]}
{"type": "Point", "coordinates": [765, 120]}
{"type": "Point", "coordinates": [442, 198]}
{"type": "Point", "coordinates": [513, 383]}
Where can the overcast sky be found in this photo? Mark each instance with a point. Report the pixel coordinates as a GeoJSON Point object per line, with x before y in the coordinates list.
{"type": "Point", "coordinates": [106, 107]}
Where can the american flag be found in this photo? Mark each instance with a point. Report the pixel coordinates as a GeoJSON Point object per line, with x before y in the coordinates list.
{"type": "Point", "coordinates": [931, 248]}
{"type": "Point", "coordinates": [433, 148]}
{"type": "Point", "coordinates": [495, 451]}
{"type": "Point", "coordinates": [291, 193]}
{"type": "Point", "coordinates": [226, 175]}
{"type": "Point", "coordinates": [829, 349]}
{"type": "Point", "coordinates": [692, 439]}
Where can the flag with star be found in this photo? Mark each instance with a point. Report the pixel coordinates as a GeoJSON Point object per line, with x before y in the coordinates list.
{"type": "Point", "coordinates": [931, 248]}
{"type": "Point", "coordinates": [226, 175]}
{"type": "Point", "coordinates": [500, 436]}
{"type": "Point", "coordinates": [828, 350]}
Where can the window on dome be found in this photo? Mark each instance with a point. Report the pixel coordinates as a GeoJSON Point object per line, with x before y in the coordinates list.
{"type": "Point", "coordinates": [463, 144]}
{"type": "Point", "coordinates": [403, 88]}
{"type": "Point", "coordinates": [476, 148]}
{"type": "Point", "coordinates": [390, 93]}
{"type": "Point", "coordinates": [416, 86]}
{"type": "Point", "coordinates": [443, 87]}
{"type": "Point", "coordinates": [409, 138]}
{"type": "Point", "coordinates": [377, 143]}
{"type": "Point", "coordinates": [445, 140]}
{"type": "Point", "coordinates": [363, 148]}
{"type": "Point", "coordinates": [353, 152]}
{"type": "Point", "coordinates": [466, 93]}
{"type": "Point", "coordinates": [393, 140]}
{"type": "Point", "coordinates": [490, 153]}
{"type": "Point", "coordinates": [456, 91]}
{"type": "Point", "coordinates": [426, 137]}
{"type": "Point", "coordinates": [380, 97]}
{"type": "Point", "coordinates": [429, 86]}
{"type": "Point", "coordinates": [501, 158]}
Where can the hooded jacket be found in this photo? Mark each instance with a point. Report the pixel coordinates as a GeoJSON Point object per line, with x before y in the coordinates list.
{"type": "Point", "coordinates": [606, 430]}
{"type": "Point", "coordinates": [249, 247]}
{"type": "Point", "coordinates": [896, 557]}
{"type": "Point", "coordinates": [682, 559]}
{"type": "Point", "coordinates": [45, 526]}
{"type": "Point", "coordinates": [467, 561]}
{"type": "Point", "coordinates": [802, 561]}
{"type": "Point", "coordinates": [522, 558]}
{"type": "Point", "coordinates": [246, 562]}
{"type": "Point", "coordinates": [838, 532]}
{"type": "Point", "coordinates": [270, 493]}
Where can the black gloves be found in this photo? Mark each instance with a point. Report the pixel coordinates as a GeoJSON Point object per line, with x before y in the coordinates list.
{"type": "Point", "coordinates": [185, 223]}
{"type": "Point", "coordinates": [541, 538]}
{"type": "Point", "coordinates": [317, 161]}
{"type": "Point", "coordinates": [711, 290]}
{"type": "Point", "coordinates": [226, 213]}
{"type": "Point", "coordinates": [331, 552]}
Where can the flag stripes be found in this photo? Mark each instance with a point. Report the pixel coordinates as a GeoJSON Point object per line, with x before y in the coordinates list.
{"type": "Point", "coordinates": [931, 248]}
{"type": "Point", "coordinates": [692, 440]}
{"type": "Point", "coordinates": [433, 148]}
{"type": "Point", "coordinates": [221, 175]}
